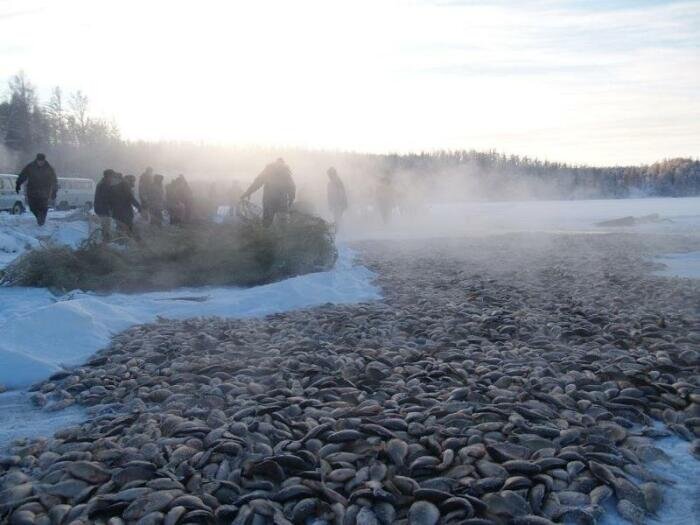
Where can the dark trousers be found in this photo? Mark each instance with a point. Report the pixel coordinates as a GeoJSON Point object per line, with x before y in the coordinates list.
{"type": "Point", "coordinates": [39, 206]}
{"type": "Point", "coordinates": [272, 208]}
{"type": "Point", "coordinates": [268, 215]}
{"type": "Point", "coordinates": [156, 216]}
{"type": "Point", "coordinates": [125, 228]}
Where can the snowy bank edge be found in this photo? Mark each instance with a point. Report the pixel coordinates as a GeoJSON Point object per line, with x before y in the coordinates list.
{"type": "Point", "coordinates": [43, 334]}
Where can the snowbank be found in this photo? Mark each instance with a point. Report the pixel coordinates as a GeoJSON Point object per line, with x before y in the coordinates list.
{"type": "Point", "coordinates": [680, 265]}
{"type": "Point", "coordinates": [19, 233]}
{"type": "Point", "coordinates": [40, 333]}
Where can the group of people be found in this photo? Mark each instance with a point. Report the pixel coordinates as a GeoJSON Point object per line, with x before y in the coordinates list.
{"type": "Point", "coordinates": [175, 197]}
{"type": "Point", "coordinates": [115, 196]}
{"type": "Point", "coordinates": [115, 200]}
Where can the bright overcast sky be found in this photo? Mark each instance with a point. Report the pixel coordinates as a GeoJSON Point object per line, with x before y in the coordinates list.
{"type": "Point", "coordinates": [587, 81]}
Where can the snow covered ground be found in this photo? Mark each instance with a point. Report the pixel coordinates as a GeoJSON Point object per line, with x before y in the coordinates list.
{"type": "Point", "coordinates": [41, 333]}
{"type": "Point", "coordinates": [19, 233]}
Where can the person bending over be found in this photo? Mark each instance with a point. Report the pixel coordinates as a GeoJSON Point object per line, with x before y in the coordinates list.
{"type": "Point", "coordinates": [278, 190]}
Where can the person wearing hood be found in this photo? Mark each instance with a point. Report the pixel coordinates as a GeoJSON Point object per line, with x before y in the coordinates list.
{"type": "Point", "coordinates": [337, 196]}
{"type": "Point", "coordinates": [42, 186]}
{"type": "Point", "coordinates": [278, 190]}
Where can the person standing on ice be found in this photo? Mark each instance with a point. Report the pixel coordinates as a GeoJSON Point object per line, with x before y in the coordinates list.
{"type": "Point", "coordinates": [42, 186]}
{"type": "Point", "coordinates": [337, 197]}
{"type": "Point", "coordinates": [103, 203]}
{"type": "Point", "coordinates": [278, 190]}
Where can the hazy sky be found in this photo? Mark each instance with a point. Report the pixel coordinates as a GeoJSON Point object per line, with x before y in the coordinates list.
{"type": "Point", "coordinates": [579, 80]}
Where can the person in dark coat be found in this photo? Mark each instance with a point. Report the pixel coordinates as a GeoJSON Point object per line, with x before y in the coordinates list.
{"type": "Point", "coordinates": [103, 203]}
{"type": "Point", "coordinates": [157, 201]}
{"type": "Point", "coordinates": [42, 186]}
{"type": "Point", "coordinates": [185, 196]}
{"type": "Point", "coordinates": [179, 199]}
{"type": "Point", "coordinates": [145, 189]}
{"type": "Point", "coordinates": [337, 197]}
{"type": "Point", "coordinates": [278, 190]}
{"type": "Point", "coordinates": [171, 203]}
{"type": "Point", "coordinates": [123, 203]}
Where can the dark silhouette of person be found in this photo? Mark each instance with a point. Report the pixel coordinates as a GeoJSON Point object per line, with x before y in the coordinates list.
{"type": "Point", "coordinates": [157, 201]}
{"type": "Point", "coordinates": [103, 203]}
{"type": "Point", "coordinates": [337, 196]}
{"type": "Point", "coordinates": [278, 190]}
{"type": "Point", "coordinates": [234, 196]}
{"type": "Point", "coordinates": [178, 196]}
{"type": "Point", "coordinates": [42, 186]}
{"type": "Point", "coordinates": [145, 189]}
{"type": "Point", "coordinates": [123, 203]}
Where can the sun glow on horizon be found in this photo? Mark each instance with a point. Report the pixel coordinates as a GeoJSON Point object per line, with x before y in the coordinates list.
{"type": "Point", "coordinates": [607, 85]}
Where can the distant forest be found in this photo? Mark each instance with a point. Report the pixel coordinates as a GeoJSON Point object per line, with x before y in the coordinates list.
{"type": "Point", "coordinates": [80, 145]}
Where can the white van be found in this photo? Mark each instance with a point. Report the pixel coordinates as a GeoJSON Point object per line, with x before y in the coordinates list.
{"type": "Point", "coordinates": [74, 193]}
{"type": "Point", "coordinates": [9, 199]}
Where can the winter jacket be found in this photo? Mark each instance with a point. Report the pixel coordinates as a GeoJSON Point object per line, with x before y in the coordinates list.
{"type": "Point", "coordinates": [122, 202]}
{"type": "Point", "coordinates": [102, 200]}
{"type": "Point", "coordinates": [277, 184]}
{"type": "Point", "coordinates": [156, 197]}
{"type": "Point", "coordinates": [41, 181]}
{"type": "Point", "coordinates": [145, 189]}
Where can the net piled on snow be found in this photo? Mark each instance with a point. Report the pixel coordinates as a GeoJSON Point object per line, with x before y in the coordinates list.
{"type": "Point", "coordinates": [242, 254]}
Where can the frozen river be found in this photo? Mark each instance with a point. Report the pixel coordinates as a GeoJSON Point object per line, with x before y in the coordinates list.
{"type": "Point", "coordinates": [41, 333]}
{"type": "Point", "coordinates": [675, 215]}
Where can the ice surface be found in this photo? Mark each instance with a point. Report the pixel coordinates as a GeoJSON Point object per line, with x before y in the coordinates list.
{"type": "Point", "coordinates": [678, 215]}
{"type": "Point", "coordinates": [681, 504]}
{"type": "Point", "coordinates": [19, 418]}
{"type": "Point", "coordinates": [680, 265]}
{"type": "Point", "coordinates": [39, 332]}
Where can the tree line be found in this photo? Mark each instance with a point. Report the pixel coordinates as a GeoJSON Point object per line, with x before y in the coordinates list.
{"type": "Point", "coordinates": [79, 144]}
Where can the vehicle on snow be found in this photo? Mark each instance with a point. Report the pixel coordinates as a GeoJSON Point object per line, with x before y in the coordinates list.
{"type": "Point", "coordinates": [9, 199]}
{"type": "Point", "coordinates": [74, 193]}
{"type": "Point", "coordinates": [71, 193]}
